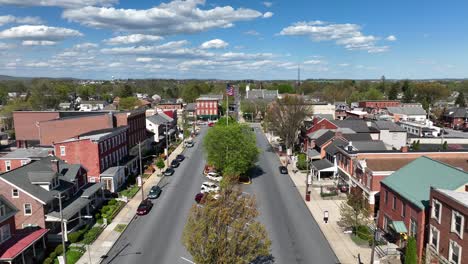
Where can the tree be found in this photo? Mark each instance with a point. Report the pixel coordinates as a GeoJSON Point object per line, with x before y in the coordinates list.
{"type": "Point", "coordinates": [160, 164]}
{"type": "Point", "coordinates": [284, 88]}
{"type": "Point", "coordinates": [460, 101]}
{"type": "Point", "coordinates": [408, 94]}
{"type": "Point", "coordinates": [126, 91]}
{"type": "Point", "coordinates": [285, 117]}
{"type": "Point", "coordinates": [225, 230]}
{"type": "Point", "coordinates": [411, 256]}
{"type": "Point", "coordinates": [393, 93]}
{"type": "Point", "coordinates": [231, 149]}
{"type": "Point", "coordinates": [373, 94]}
{"type": "Point", "coordinates": [354, 212]}
{"type": "Point", "coordinates": [128, 103]}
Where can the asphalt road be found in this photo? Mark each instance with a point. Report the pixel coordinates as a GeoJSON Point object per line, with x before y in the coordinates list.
{"type": "Point", "coordinates": [156, 237]}
{"type": "Point", "coordinates": [296, 237]}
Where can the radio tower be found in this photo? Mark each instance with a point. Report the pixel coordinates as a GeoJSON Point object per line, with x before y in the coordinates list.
{"type": "Point", "coordinates": [298, 75]}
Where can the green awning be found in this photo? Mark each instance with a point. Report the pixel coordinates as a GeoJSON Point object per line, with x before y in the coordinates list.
{"type": "Point", "coordinates": [399, 226]}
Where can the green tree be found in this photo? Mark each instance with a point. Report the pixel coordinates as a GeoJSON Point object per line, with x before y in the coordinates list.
{"type": "Point", "coordinates": [301, 161]}
{"type": "Point", "coordinates": [160, 164]}
{"type": "Point", "coordinates": [128, 103]}
{"type": "Point", "coordinates": [408, 93]}
{"type": "Point", "coordinates": [373, 94]}
{"type": "Point", "coordinates": [225, 230]}
{"type": "Point", "coordinates": [231, 149]}
{"type": "Point", "coordinates": [126, 91]}
{"type": "Point", "coordinates": [411, 255]}
{"type": "Point", "coordinates": [393, 93]}
{"type": "Point", "coordinates": [354, 212]}
{"type": "Point", "coordinates": [460, 101]}
{"type": "Point", "coordinates": [284, 88]}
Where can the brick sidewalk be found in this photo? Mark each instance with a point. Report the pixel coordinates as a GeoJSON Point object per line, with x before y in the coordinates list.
{"type": "Point", "coordinates": [109, 236]}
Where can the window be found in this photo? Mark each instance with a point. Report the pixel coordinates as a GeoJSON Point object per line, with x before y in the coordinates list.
{"type": "Point", "coordinates": [413, 228]}
{"type": "Point", "coordinates": [2, 210]}
{"type": "Point", "coordinates": [386, 197]}
{"type": "Point", "coordinates": [27, 209]}
{"type": "Point", "coordinates": [100, 147]}
{"type": "Point", "coordinates": [62, 151]}
{"type": "Point", "coordinates": [436, 210]}
{"type": "Point", "coordinates": [434, 238]}
{"type": "Point", "coordinates": [403, 209]}
{"type": "Point", "coordinates": [454, 252]}
{"type": "Point", "coordinates": [7, 165]}
{"type": "Point", "coordinates": [457, 223]}
{"type": "Point", "coordinates": [394, 203]}
{"type": "Point", "coordinates": [24, 162]}
{"type": "Point", "coordinates": [5, 233]}
{"type": "Point", "coordinates": [15, 193]}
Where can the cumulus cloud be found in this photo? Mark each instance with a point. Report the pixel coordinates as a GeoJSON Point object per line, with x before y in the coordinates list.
{"type": "Point", "coordinates": [37, 64]}
{"type": "Point", "coordinates": [313, 62]}
{"type": "Point", "coordinates": [38, 43]}
{"type": "Point", "coordinates": [132, 39]}
{"type": "Point", "coordinates": [61, 3]}
{"type": "Point", "coordinates": [267, 4]}
{"type": "Point", "coordinates": [165, 19]}
{"type": "Point", "coordinates": [19, 20]}
{"type": "Point", "coordinates": [346, 35]}
{"type": "Point", "coordinates": [86, 45]}
{"type": "Point", "coordinates": [144, 59]}
{"type": "Point", "coordinates": [391, 38]}
{"type": "Point", "coordinates": [267, 15]}
{"type": "Point", "coordinates": [39, 32]}
{"type": "Point", "coordinates": [214, 44]}
{"type": "Point", "coordinates": [5, 46]}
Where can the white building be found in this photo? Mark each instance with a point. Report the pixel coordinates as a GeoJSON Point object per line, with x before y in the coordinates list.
{"type": "Point", "coordinates": [407, 113]}
{"type": "Point", "coordinates": [86, 106]}
{"type": "Point", "coordinates": [420, 129]}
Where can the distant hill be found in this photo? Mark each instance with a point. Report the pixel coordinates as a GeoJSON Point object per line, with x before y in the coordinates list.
{"type": "Point", "coordinates": [18, 78]}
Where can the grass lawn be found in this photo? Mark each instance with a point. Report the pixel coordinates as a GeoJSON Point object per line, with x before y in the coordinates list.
{"type": "Point", "coordinates": [120, 228]}
{"type": "Point", "coordinates": [359, 241]}
{"type": "Point", "coordinates": [72, 256]}
{"type": "Point", "coordinates": [130, 192]}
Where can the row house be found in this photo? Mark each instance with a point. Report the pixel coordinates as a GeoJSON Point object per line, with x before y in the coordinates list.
{"type": "Point", "coordinates": [96, 151]}
{"type": "Point", "coordinates": [19, 245]}
{"type": "Point", "coordinates": [21, 157]}
{"type": "Point", "coordinates": [378, 104]}
{"type": "Point", "coordinates": [34, 189]}
{"type": "Point", "coordinates": [164, 129]}
{"type": "Point", "coordinates": [456, 118]}
{"type": "Point", "coordinates": [405, 205]}
{"type": "Point", "coordinates": [448, 227]}
{"type": "Point", "coordinates": [407, 113]}
{"type": "Point", "coordinates": [207, 108]}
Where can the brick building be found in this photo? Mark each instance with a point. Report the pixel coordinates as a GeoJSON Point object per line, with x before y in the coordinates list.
{"type": "Point", "coordinates": [405, 198]}
{"type": "Point", "coordinates": [456, 118]}
{"type": "Point", "coordinates": [207, 108]}
{"type": "Point", "coordinates": [448, 232]}
{"type": "Point", "coordinates": [96, 150]}
{"type": "Point", "coordinates": [20, 157]}
{"type": "Point", "coordinates": [379, 104]}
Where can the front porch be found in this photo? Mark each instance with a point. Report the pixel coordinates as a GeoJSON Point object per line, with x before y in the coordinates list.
{"type": "Point", "coordinates": [26, 246]}
{"type": "Point", "coordinates": [322, 169]}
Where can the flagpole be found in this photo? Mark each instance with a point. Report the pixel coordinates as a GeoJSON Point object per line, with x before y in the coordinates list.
{"type": "Point", "coordinates": [227, 109]}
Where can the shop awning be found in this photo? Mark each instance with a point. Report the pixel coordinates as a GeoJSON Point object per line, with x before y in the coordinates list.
{"type": "Point", "coordinates": [398, 226]}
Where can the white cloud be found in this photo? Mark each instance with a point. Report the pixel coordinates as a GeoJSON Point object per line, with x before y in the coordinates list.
{"type": "Point", "coordinates": [38, 43]}
{"type": "Point", "coordinates": [19, 20]}
{"type": "Point", "coordinates": [144, 59]}
{"type": "Point", "coordinates": [39, 32]}
{"type": "Point", "coordinates": [391, 38]}
{"type": "Point", "coordinates": [115, 64]}
{"type": "Point", "coordinates": [313, 62]}
{"type": "Point", "coordinates": [5, 46]}
{"type": "Point", "coordinates": [61, 3]}
{"type": "Point", "coordinates": [37, 64]}
{"type": "Point", "coordinates": [267, 4]}
{"type": "Point", "coordinates": [343, 64]}
{"type": "Point", "coordinates": [132, 39]}
{"type": "Point", "coordinates": [252, 33]}
{"type": "Point", "coordinates": [268, 14]}
{"type": "Point", "coordinates": [165, 19]}
{"type": "Point", "coordinates": [214, 44]}
{"type": "Point", "coordinates": [86, 45]}
{"type": "Point", "coordinates": [347, 35]}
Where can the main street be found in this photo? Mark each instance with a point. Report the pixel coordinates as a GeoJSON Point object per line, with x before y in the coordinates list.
{"type": "Point", "coordinates": [156, 237]}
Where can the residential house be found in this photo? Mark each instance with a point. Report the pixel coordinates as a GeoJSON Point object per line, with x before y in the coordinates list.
{"type": "Point", "coordinates": [448, 226]}
{"type": "Point", "coordinates": [405, 198]}
{"type": "Point", "coordinates": [340, 110]}
{"type": "Point", "coordinates": [86, 106]}
{"type": "Point", "coordinates": [20, 246]}
{"type": "Point", "coordinates": [407, 113]}
{"type": "Point", "coordinates": [456, 118]}
{"type": "Point", "coordinates": [191, 110]}
{"type": "Point", "coordinates": [21, 157]}
{"type": "Point", "coordinates": [161, 125]}
{"type": "Point", "coordinates": [390, 133]}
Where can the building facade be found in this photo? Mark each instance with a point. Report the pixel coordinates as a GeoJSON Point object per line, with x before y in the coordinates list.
{"type": "Point", "coordinates": [379, 104]}
{"type": "Point", "coordinates": [207, 108]}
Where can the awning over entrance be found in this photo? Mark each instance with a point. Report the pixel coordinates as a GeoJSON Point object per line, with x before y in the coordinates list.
{"type": "Point", "coordinates": [92, 189]}
{"type": "Point", "coordinates": [20, 242]}
{"type": "Point", "coordinates": [398, 226]}
{"type": "Point", "coordinates": [69, 211]}
{"type": "Point", "coordinates": [323, 165]}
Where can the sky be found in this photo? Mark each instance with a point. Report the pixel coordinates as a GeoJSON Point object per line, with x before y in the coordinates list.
{"type": "Point", "coordinates": [236, 39]}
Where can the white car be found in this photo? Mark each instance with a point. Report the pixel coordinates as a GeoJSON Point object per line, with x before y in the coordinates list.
{"type": "Point", "coordinates": [214, 176]}
{"type": "Point", "coordinates": [209, 187]}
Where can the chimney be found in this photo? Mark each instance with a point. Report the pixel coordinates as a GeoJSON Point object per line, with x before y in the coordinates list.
{"type": "Point", "coordinates": [404, 149]}
{"type": "Point", "coordinates": [55, 165]}
{"type": "Point", "coordinates": [350, 146]}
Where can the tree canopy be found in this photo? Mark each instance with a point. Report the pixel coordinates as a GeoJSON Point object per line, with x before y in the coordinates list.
{"type": "Point", "coordinates": [128, 103]}
{"type": "Point", "coordinates": [460, 101]}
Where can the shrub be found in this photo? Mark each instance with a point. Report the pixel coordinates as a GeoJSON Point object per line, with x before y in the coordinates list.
{"type": "Point", "coordinates": [52, 256]}
{"type": "Point", "coordinates": [58, 250]}
{"type": "Point", "coordinates": [363, 232]}
{"type": "Point", "coordinates": [301, 161]}
{"type": "Point", "coordinates": [76, 236]}
{"type": "Point", "coordinates": [112, 202]}
{"type": "Point", "coordinates": [91, 235]}
{"type": "Point", "coordinates": [411, 256]}
{"type": "Point", "coordinates": [48, 261]}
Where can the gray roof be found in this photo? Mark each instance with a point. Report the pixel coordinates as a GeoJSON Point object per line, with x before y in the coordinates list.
{"type": "Point", "coordinates": [92, 189]}
{"type": "Point", "coordinates": [261, 94]}
{"type": "Point", "coordinates": [72, 209]}
{"type": "Point", "coordinates": [112, 171]}
{"type": "Point", "coordinates": [312, 153]}
{"type": "Point", "coordinates": [359, 126]}
{"type": "Point", "coordinates": [387, 125]}
{"type": "Point", "coordinates": [332, 149]}
{"type": "Point", "coordinates": [357, 137]}
{"type": "Point", "coordinates": [212, 96]}
{"type": "Point", "coordinates": [157, 119]}
{"type": "Point", "coordinates": [25, 153]}
{"type": "Point", "coordinates": [406, 110]}
{"type": "Point", "coordinates": [457, 112]}
{"type": "Point", "coordinates": [371, 145]}
{"type": "Point", "coordinates": [69, 171]}
{"type": "Point", "coordinates": [325, 138]}
{"type": "Point", "coordinates": [322, 164]}
{"type": "Point", "coordinates": [325, 116]}
{"type": "Point", "coordinates": [191, 107]}
{"type": "Point", "coordinates": [168, 118]}
{"type": "Point", "coordinates": [460, 197]}
{"type": "Point", "coordinates": [317, 134]}
{"type": "Point", "coordinates": [41, 176]}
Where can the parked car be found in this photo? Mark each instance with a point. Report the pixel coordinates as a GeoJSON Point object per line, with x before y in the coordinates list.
{"type": "Point", "coordinates": [209, 187]}
{"type": "Point", "coordinates": [180, 157]}
{"type": "Point", "coordinates": [199, 197]}
{"type": "Point", "coordinates": [144, 207]}
{"type": "Point", "coordinates": [175, 163]}
{"type": "Point", "coordinates": [189, 143]}
{"type": "Point", "coordinates": [214, 176]}
{"type": "Point", "coordinates": [210, 124]}
{"type": "Point", "coordinates": [283, 170]}
{"type": "Point", "coordinates": [169, 172]}
{"type": "Point", "coordinates": [244, 179]}
{"type": "Point", "coordinates": [208, 168]}
{"type": "Point", "coordinates": [154, 192]}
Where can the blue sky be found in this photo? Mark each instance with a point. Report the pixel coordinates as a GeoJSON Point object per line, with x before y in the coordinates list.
{"type": "Point", "coordinates": [234, 39]}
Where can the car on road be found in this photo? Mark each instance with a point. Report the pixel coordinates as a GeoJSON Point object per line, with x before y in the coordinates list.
{"type": "Point", "coordinates": [180, 157]}
{"type": "Point", "coordinates": [283, 170]}
{"type": "Point", "coordinates": [214, 176]}
{"type": "Point", "coordinates": [199, 197]}
{"type": "Point", "coordinates": [169, 172]}
{"type": "Point", "coordinates": [189, 143]}
{"type": "Point", "coordinates": [154, 192]}
{"type": "Point", "coordinates": [209, 187]}
{"type": "Point", "coordinates": [210, 124]}
{"type": "Point", "coordinates": [144, 207]}
{"type": "Point", "coordinates": [175, 163]}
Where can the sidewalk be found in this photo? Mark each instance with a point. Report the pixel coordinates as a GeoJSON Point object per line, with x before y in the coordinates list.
{"type": "Point", "coordinates": [109, 236]}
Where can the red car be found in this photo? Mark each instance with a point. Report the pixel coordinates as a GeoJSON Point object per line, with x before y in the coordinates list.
{"type": "Point", "coordinates": [144, 207]}
{"type": "Point", "coordinates": [210, 124]}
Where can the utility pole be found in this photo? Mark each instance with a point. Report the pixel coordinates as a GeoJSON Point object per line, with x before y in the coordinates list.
{"type": "Point", "coordinates": [62, 229]}
{"type": "Point", "coordinates": [167, 150]}
{"type": "Point", "coordinates": [141, 172]}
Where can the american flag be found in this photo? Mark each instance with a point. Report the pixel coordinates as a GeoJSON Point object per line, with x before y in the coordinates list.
{"type": "Point", "coordinates": [230, 89]}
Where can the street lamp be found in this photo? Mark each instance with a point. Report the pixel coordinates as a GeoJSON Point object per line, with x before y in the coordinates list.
{"type": "Point", "coordinates": [141, 171]}
{"type": "Point", "coordinates": [62, 228]}
{"type": "Point", "coordinates": [167, 150]}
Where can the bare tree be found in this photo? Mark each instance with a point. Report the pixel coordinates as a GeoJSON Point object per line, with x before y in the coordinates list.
{"type": "Point", "coordinates": [285, 117]}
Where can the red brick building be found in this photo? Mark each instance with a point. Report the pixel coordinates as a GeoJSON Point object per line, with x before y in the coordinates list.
{"type": "Point", "coordinates": [456, 118]}
{"type": "Point", "coordinates": [136, 122]}
{"type": "Point", "coordinates": [21, 157]}
{"type": "Point", "coordinates": [378, 103]}
{"type": "Point", "coordinates": [207, 108]}
{"type": "Point", "coordinates": [96, 150]}
{"type": "Point", "coordinates": [321, 123]}
{"type": "Point", "coordinates": [405, 198]}
{"type": "Point", "coordinates": [448, 232]}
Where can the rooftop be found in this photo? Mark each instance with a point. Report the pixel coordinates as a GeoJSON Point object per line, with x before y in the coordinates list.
{"type": "Point", "coordinates": [460, 197]}
{"type": "Point", "coordinates": [387, 125]}
{"type": "Point", "coordinates": [26, 153]}
{"type": "Point", "coordinates": [414, 180]}
{"type": "Point", "coordinates": [97, 135]}
{"type": "Point", "coordinates": [157, 119]}
{"type": "Point", "coordinates": [393, 164]}
{"type": "Point", "coordinates": [407, 110]}
{"type": "Point", "coordinates": [359, 126]}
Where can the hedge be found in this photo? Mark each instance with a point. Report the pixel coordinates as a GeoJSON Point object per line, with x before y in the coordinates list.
{"type": "Point", "coordinates": [77, 235]}
{"type": "Point", "coordinates": [92, 235]}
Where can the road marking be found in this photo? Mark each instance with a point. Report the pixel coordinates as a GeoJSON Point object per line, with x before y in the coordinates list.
{"type": "Point", "coordinates": [188, 260]}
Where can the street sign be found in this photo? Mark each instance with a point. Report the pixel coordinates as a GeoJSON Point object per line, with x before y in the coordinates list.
{"type": "Point", "coordinates": [139, 181]}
